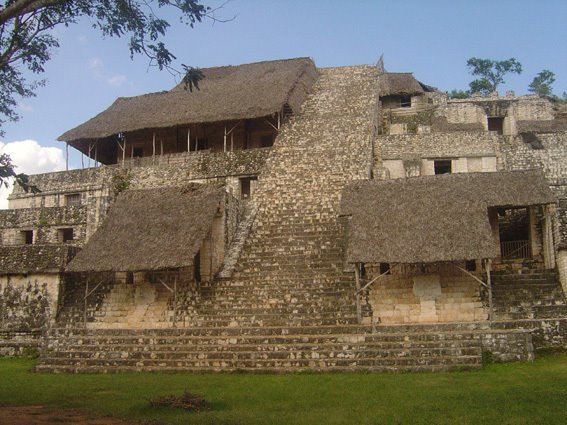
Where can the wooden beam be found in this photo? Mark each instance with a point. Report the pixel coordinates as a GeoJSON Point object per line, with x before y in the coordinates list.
{"type": "Point", "coordinates": [66, 156]}
{"type": "Point", "coordinates": [188, 139]}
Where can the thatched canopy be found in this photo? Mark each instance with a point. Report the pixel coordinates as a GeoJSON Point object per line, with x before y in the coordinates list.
{"type": "Point", "coordinates": [434, 218]}
{"type": "Point", "coordinates": [400, 83]}
{"type": "Point", "coordinates": [226, 93]}
{"type": "Point", "coordinates": [151, 229]}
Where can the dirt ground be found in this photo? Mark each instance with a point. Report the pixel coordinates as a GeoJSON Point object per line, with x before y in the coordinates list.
{"type": "Point", "coordinates": [40, 415]}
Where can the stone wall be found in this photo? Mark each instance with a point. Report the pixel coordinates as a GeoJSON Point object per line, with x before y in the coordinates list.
{"type": "Point", "coordinates": [436, 293]}
{"type": "Point", "coordinates": [28, 302]}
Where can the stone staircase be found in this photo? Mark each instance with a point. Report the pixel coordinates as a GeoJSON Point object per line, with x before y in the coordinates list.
{"type": "Point", "coordinates": [528, 294]}
{"type": "Point", "coordinates": [275, 349]}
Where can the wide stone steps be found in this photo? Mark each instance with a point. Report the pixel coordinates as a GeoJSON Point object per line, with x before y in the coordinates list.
{"type": "Point", "coordinates": [274, 349]}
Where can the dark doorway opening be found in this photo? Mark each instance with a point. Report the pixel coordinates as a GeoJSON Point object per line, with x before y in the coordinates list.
{"type": "Point", "coordinates": [496, 124]}
{"type": "Point", "coordinates": [442, 166]}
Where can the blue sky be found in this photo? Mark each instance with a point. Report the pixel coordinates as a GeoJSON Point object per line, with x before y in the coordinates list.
{"type": "Point", "coordinates": [431, 38]}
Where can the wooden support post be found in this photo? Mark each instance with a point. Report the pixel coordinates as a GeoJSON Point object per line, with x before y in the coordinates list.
{"type": "Point", "coordinates": [358, 306]}
{"type": "Point", "coordinates": [66, 156]}
{"type": "Point", "coordinates": [95, 153]}
{"type": "Point", "coordinates": [82, 160]}
{"type": "Point", "coordinates": [188, 139]}
{"type": "Point", "coordinates": [231, 141]}
{"type": "Point", "coordinates": [279, 120]}
{"type": "Point", "coordinates": [85, 303]}
{"type": "Point", "coordinates": [154, 147]}
{"type": "Point", "coordinates": [174, 301]}
{"type": "Point", "coordinates": [124, 152]}
{"type": "Point", "coordinates": [488, 266]}
{"type": "Point", "coordinates": [225, 138]}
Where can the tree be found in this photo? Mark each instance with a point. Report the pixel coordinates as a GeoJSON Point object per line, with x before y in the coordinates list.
{"type": "Point", "coordinates": [27, 40]}
{"type": "Point", "coordinates": [459, 94]}
{"type": "Point", "coordinates": [491, 73]}
{"type": "Point", "coordinates": [7, 173]}
{"type": "Point", "coordinates": [542, 82]}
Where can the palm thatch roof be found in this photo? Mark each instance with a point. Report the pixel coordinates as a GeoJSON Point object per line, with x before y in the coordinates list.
{"type": "Point", "coordinates": [151, 229]}
{"type": "Point", "coordinates": [226, 93]}
{"type": "Point", "coordinates": [400, 83]}
{"type": "Point", "coordinates": [434, 218]}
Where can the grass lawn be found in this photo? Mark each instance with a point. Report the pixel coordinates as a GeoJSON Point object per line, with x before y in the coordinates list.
{"type": "Point", "coordinates": [513, 393]}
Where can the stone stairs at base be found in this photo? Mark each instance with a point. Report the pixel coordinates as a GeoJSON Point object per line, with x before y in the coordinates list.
{"type": "Point", "coordinates": [266, 349]}
{"type": "Point", "coordinates": [531, 294]}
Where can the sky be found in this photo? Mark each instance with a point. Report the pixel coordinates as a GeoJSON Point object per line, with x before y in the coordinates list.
{"type": "Point", "coordinates": [431, 38]}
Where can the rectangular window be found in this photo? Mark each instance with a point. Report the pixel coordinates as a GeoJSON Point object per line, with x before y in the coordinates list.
{"type": "Point", "coordinates": [26, 237]}
{"type": "Point", "coordinates": [73, 200]}
{"type": "Point", "coordinates": [66, 235]}
{"type": "Point", "coordinates": [247, 185]}
{"type": "Point", "coordinates": [442, 166]}
{"type": "Point", "coordinates": [496, 124]}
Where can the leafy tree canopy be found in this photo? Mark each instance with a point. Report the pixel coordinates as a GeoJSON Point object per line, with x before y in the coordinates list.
{"type": "Point", "coordinates": [491, 73]}
{"type": "Point", "coordinates": [7, 173]}
{"type": "Point", "coordinates": [541, 84]}
{"type": "Point", "coordinates": [27, 40]}
{"type": "Point", "coordinates": [459, 94]}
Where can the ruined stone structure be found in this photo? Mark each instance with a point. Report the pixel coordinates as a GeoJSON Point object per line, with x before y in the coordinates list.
{"type": "Point", "coordinates": [286, 218]}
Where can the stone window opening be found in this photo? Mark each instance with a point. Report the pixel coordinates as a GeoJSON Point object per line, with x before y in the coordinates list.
{"type": "Point", "coordinates": [26, 237]}
{"type": "Point", "coordinates": [65, 235]}
{"type": "Point", "coordinates": [442, 166]}
{"type": "Point", "coordinates": [73, 200]}
{"type": "Point", "coordinates": [247, 185]}
{"type": "Point", "coordinates": [496, 124]}
{"type": "Point", "coordinates": [385, 268]}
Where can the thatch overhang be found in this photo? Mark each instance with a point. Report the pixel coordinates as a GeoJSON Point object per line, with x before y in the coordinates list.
{"type": "Point", "coordinates": [151, 229]}
{"type": "Point", "coordinates": [26, 259]}
{"type": "Point", "coordinates": [400, 84]}
{"type": "Point", "coordinates": [434, 218]}
{"type": "Point", "coordinates": [226, 93]}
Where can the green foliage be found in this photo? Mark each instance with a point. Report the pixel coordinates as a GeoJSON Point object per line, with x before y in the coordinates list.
{"type": "Point", "coordinates": [459, 94]}
{"type": "Point", "coordinates": [413, 121]}
{"type": "Point", "coordinates": [491, 73]}
{"type": "Point", "coordinates": [541, 84]}
{"type": "Point", "coordinates": [121, 181]}
{"type": "Point", "coordinates": [7, 172]}
{"type": "Point", "coordinates": [27, 37]}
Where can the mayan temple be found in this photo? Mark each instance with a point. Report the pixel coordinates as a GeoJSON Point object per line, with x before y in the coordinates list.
{"type": "Point", "coordinates": [285, 217]}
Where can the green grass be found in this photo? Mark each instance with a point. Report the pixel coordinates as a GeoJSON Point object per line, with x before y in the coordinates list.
{"type": "Point", "coordinates": [513, 393]}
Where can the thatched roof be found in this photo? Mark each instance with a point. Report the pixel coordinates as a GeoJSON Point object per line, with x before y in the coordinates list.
{"type": "Point", "coordinates": [434, 218]}
{"type": "Point", "coordinates": [542, 126]}
{"type": "Point", "coordinates": [151, 229]}
{"type": "Point", "coordinates": [226, 93]}
{"type": "Point", "coordinates": [400, 83]}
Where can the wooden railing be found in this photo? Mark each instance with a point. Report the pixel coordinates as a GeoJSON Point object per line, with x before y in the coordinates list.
{"type": "Point", "coordinates": [515, 249]}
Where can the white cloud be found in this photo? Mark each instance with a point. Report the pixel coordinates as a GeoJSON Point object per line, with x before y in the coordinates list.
{"type": "Point", "coordinates": [117, 80]}
{"type": "Point", "coordinates": [25, 107]}
{"type": "Point", "coordinates": [96, 65]}
{"type": "Point", "coordinates": [31, 158]}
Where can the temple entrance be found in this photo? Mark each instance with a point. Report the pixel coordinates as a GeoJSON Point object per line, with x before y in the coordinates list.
{"type": "Point", "coordinates": [514, 231]}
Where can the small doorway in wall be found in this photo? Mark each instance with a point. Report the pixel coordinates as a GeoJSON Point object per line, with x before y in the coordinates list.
{"type": "Point", "coordinates": [514, 231]}
{"type": "Point", "coordinates": [137, 152]}
{"type": "Point", "coordinates": [442, 166]}
{"type": "Point", "coordinates": [496, 124]}
{"type": "Point", "coordinates": [247, 187]}
{"type": "Point", "coordinates": [405, 101]}
{"type": "Point", "coordinates": [26, 236]}
{"type": "Point", "coordinates": [267, 141]}
{"type": "Point", "coordinates": [66, 235]}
